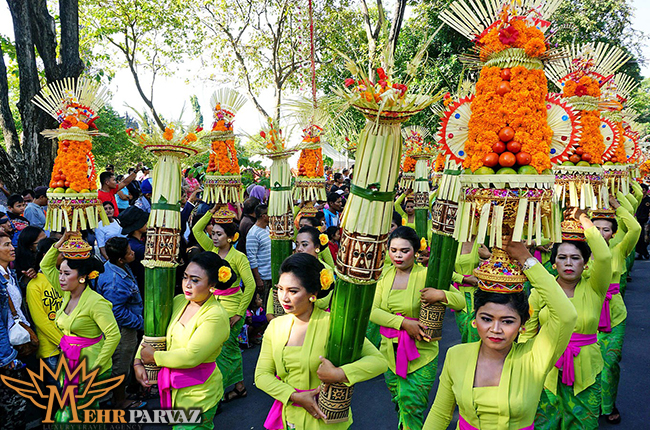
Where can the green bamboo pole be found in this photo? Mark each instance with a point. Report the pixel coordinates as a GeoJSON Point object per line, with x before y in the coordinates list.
{"type": "Point", "coordinates": [158, 299]}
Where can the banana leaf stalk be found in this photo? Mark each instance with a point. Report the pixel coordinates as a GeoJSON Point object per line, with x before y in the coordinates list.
{"type": "Point", "coordinates": [368, 214]}
{"type": "Point", "coordinates": [281, 220]}
{"type": "Point", "coordinates": [421, 190]}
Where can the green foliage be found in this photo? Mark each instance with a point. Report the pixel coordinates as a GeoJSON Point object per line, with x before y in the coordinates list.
{"type": "Point", "coordinates": [116, 148]}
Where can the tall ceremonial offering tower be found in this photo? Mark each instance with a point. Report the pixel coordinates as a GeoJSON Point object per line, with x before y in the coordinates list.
{"type": "Point", "coordinates": [164, 227]}
{"type": "Point", "coordinates": [72, 196]}
{"type": "Point", "coordinates": [507, 137]}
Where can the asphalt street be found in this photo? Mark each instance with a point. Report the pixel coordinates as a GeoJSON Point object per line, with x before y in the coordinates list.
{"type": "Point", "coordinates": [372, 408]}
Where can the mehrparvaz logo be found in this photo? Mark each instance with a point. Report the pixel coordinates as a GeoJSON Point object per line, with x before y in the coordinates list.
{"type": "Point", "coordinates": [81, 390]}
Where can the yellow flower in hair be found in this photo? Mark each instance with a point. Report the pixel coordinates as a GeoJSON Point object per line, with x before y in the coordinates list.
{"type": "Point", "coordinates": [94, 274]}
{"type": "Point", "coordinates": [403, 221]}
{"type": "Point", "coordinates": [423, 244]}
{"type": "Point", "coordinates": [326, 279]}
{"type": "Point", "coordinates": [224, 274]}
{"type": "Point", "coordinates": [235, 238]}
{"type": "Point", "coordinates": [323, 239]}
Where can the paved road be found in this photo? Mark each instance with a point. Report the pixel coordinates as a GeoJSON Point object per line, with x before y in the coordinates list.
{"type": "Point", "coordinates": [371, 402]}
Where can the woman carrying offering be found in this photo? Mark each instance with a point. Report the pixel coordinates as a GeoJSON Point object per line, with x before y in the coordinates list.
{"type": "Point", "coordinates": [571, 398]}
{"type": "Point", "coordinates": [613, 318]}
{"type": "Point", "coordinates": [408, 211]}
{"type": "Point", "coordinates": [199, 326]}
{"type": "Point", "coordinates": [291, 365]}
{"type": "Point", "coordinates": [234, 300]}
{"type": "Point", "coordinates": [412, 358]}
{"type": "Point", "coordinates": [85, 318]}
{"type": "Point", "coordinates": [496, 382]}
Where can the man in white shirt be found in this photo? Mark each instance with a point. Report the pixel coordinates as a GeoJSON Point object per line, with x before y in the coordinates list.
{"type": "Point", "coordinates": [105, 232]}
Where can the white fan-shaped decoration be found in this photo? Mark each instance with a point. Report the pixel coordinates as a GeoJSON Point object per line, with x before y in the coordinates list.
{"type": "Point", "coordinates": [564, 122]}
{"type": "Point", "coordinates": [454, 128]}
{"type": "Point", "coordinates": [230, 100]}
{"type": "Point", "coordinates": [610, 136]}
{"type": "Point", "coordinates": [601, 58]}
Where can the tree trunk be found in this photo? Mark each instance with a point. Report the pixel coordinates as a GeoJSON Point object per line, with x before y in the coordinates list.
{"type": "Point", "coordinates": [28, 162]}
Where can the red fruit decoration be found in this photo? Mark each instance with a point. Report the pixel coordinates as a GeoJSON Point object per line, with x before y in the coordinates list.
{"type": "Point", "coordinates": [491, 160]}
{"type": "Point", "coordinates": [514, 146]}
{"type": "Point", "coordinates": [523, 158]}
{"type": "Point", "coordinates": [580, 150]}
{"type": "Point", "coordinates": [499, 147]}
{"type": "Point", "coordinates": [506, 134]}
{"type": "Point", "coordinates": [586, 157]}
{"type": "Point", "coordinates": [507, 159]}
{"type": "Point", "coordinates": [503, 88]}
{"type": "Point", "coordinates": [575, 158]}
{"type": "Point", "coordinates": [505, 74]}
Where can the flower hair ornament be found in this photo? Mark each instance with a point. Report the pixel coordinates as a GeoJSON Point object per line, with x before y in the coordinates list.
{"type": "Point", "coordinates": [224, 274]}
{"type": "Point", "coordinates": [323, 239]}
{"type": "Point", "coordinates": [326, 279]}
{"type": "Point", "coordinates": [423, 245]}
{"type": "Point", "coordinates": [93, 275]}
{"type": "Point", "coordinates": [403, 221]}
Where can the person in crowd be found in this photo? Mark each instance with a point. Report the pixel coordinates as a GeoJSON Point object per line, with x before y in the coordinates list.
{"type": "Point", "coordinates": [28, 196]}
{"type": "Point", "coordinates": [335, 204]}
{"type": "Point", "coordinates": [144, 201]}
{"type": "Point", "coordinates": [85, 318]}
{"type": "Point", "coordinates": [291, 365]}
{"type": "Point", "coordinates": [105, 232]}
{"type": "Point", "coordinates": [110, 187]}
{"type": "Point", "coordinates": [199, 326]}
{"type": "Point", "coordinates": [123, 196]}
{"type": "Point", "coordinates": [143, 174]}
{"type": "Point", "coordinates": [109, 168]}
{"type": "Point", "coordinates": [44, 301]}
{"type": "Point", "coordinates": [613, 319]}
{"type": "Point", "coordinates": [407, 211]}
{"type": "Point", "coordinates": [12, 286]}
{"type": "Point", "coordinates": [260, 193]}
{"type": "Point", "coordinates": [26, 254]}
{"type": "Point", "coordinates": [5, 224]}
{"type": "Point", "coordinates": [256, 320]}
{"type": "Point", "coordinates": [134, 226]}
{"type": "Point", "coordinates": [572, 391]}
{"type": "Point", "coordinates": [247, 222]}
{"type": "Point", "coordinates": [339, 180]}
{"type": "Point", "coordinates": [118, 285]}
{"type": "Point", "coordinates": [36, 209]}
{"type": "Point", "coordinates": [467, 259]}
{"type": "Point", "coordinates": [325, 255]}
{"type": "Point", "coordinates": [496, 382]}
{"type": "Point", "coordinates": [334, 236]}
{"type": "Point", "coordinates": [224, 237]}
{"type": "Point", "coordinates": [12, 404]}
{"type": "Point", "coordinates": [395, 309]}
{"type": "Point", "coordinates": [258, 250]}
{"type": "Point", "coordinates": [16, 206]}
{"type": "Point", "coordinates": [642, 216]}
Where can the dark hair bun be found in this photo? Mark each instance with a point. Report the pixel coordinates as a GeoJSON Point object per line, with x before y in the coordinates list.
{"type": "Point", "coordinates": [313, 233]}
{"type": "Point", "coordinates": [517, 301]}
{"type": "Point", "coordinates": [215, 267]}
{"type": "Point", "coordinates": [406, 233]}
{"type": "Point", "coordinates": [307, 269]}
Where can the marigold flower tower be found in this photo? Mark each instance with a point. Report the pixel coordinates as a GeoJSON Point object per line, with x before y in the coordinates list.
{"type": "Point", "coordinates": [507, 184]}
{"type": "Point", "coordinates": [72, 196]}
{"type": "Point", "coordinates": [366, 219]}
{"type": "Point", "coordinates": [579, 169]}
{"type": "Point", "coordinates": [223, 181]}
{"type": "Point", "coordinates": [163, 229]}
{"type": "Point", "coordinates": [420, 152]}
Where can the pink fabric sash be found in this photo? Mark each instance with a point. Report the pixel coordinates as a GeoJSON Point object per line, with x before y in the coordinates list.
{"type": "Point", "coordinates": [181, 378]}
{"type": "Point", "coordinates": [538, 255]}
{"type": "Point", "coordinates": [274, 418]}
{"type": "Point", "coordinates": [228, 292]}
{"type": "Point", "coordinates": [464, 425]}
{"type": "Point", "coordinates": [71, 347]}
{"type": "Point", "coordinates": [605, 323]}
{"type": "Point", "coordinates": [406, 349]}
{"type": "Point", "coordinates": [572, 350]}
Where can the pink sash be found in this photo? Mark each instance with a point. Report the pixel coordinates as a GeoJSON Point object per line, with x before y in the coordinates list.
{"type": "Point", "coordinates": [71, 347]}
{"type": "Point", "coordinates": [605, 323]}
{"type": "Point", "coordinates": [572, 350]}
{"type": "Point", "coordinates": [274, 418]}
{"type": "Point", "coordinates": [464, 425]}
{"type": "Point", "coordinates": [181, 378]}
{"type": "Point", "coordinates": [228, 292]}
{"type": "Point", "coordinates": [406, 349]}
{"type": "Point", "coordinates": [538, 255]}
